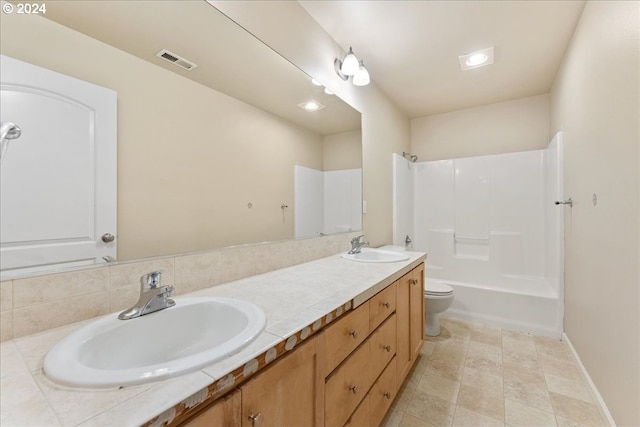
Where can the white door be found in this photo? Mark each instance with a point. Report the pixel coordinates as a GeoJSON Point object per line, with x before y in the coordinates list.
{"type": "Point", "coordinates": [58, 179]}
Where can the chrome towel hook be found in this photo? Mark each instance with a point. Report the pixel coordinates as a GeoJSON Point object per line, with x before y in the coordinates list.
{"type": "Point", "coordinates": [565, 202]}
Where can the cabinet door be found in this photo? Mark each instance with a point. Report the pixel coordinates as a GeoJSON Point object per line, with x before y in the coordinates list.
{"type": "Point", "coordinates": [410, 319]}
{"type": "Point", "coordinates": [224, 413]}
{"type": "Point", "coordinates": [289, 393]}
{"type": "Point", "coordinates": [416, 298]}
{"type": "Point", "coordinates": [403, 350]}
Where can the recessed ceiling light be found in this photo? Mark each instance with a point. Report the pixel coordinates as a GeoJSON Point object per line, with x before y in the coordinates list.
{"type": "Point", "coordinates": [328, 91]}
{"type": "Point", "coordinates": [476, 59]}
{"type": "Point", "coordinates": [315, 82]}
{"type": "Point", "coordinates": [311, 105]}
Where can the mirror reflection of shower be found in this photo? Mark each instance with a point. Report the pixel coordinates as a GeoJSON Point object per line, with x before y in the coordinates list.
{"type": "Point", "coordinates": [411, 157]}
{"type": "Point", "coordinates": [8, 131]}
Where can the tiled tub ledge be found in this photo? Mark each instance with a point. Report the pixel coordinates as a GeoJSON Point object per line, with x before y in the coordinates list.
{"type": "Point", "coordinates": [298, 301]}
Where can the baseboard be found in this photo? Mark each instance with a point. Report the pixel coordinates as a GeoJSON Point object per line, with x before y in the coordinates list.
{"type": "Point", "coordinates": [501, 322]}
{"type": "Point", "coordinates": [595, 394]}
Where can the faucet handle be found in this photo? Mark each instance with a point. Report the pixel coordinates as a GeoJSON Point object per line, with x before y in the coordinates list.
{"type": "Point", "coordinates": [150, 280]}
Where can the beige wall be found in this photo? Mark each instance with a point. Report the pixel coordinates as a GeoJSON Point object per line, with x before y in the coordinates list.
{"type": "Point", "coordinates": [505, 127]}
{"type": "Point", "coordinates": [342, 151]}
{"type": "Point", "coordinates": [595, 101]}
{"type": "Point", "coordinates": [190, 159]}
{"type": "Point", "coordinates": [385, 129]}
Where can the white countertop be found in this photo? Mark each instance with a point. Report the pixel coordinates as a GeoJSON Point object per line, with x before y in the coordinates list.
{"type": "Point", "coordinates": [292, 298]}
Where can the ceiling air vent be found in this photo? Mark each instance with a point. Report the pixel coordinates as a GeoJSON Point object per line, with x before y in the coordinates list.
{"type": "Point", "coordinates": [175, 59]}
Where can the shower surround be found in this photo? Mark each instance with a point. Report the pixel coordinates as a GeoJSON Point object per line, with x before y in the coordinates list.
{"type": "Point", "coordinates": [492, 231]}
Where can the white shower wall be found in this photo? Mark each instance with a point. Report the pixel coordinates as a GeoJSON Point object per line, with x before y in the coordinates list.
{"type": "Point", "coordinates": [489, 223]}
{"type": "Point", "coordinates": [402, 200]}
{"type": "Point", "coordinates": [327, 202]}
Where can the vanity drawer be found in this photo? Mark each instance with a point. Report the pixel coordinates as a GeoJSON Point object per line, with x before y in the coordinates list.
{"type": "Point", "coordinates": [344, 335]}
{"type": "Point", "coordinates": [382, 346]}
{"type": "Point", "coordinates": [382, 394]}
{"type": "Point", "coordinates": [347, 386]}
{"type": "Point", "coordinates": [360, 418]}
{"type": "Point", "coordinates": [381, 306]}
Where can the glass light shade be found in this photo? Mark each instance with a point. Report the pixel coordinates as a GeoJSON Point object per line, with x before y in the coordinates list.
{"type": "Point", "coordinates": [361, 78]}
{"type": "Point", "coordinates": [350, 64]}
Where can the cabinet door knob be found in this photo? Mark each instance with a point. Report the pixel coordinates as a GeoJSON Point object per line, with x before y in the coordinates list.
{"type": "Point", "coordinates": [388, 348]}
{"type": "Point", "coordinates": [413, 281]}
{"type": "Point", "coordinates": [256, 419]}
{"type": "Point", "coordinates": [354, 334]}
{"type": "Point", "coordinates": [386, 304]}
{"type": "Point", "coordinates": [354, 389]}
{"type": "Point", "coordinates": [387, 395]}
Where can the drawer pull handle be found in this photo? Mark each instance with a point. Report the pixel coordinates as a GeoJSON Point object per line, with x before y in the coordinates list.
{"type": "Point", "coordinates": [387, 395]}
{"type": "Point", "coordinates": [354, 389]}
{"type": "Point", "coordinates": [388, 348]}
{"type": "Point", "coordinates": [354, 334]}
{"type": "Point", "coordinates": [386, 304]}
{"type": "Point", "coordinates": [256, 419]}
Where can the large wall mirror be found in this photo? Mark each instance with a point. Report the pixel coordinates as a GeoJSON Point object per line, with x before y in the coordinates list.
{"type": "Point", "coordinates": [217, 156]}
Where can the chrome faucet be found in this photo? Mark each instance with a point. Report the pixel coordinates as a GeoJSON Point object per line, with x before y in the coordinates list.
{"type": "Point", "coordinates": [357, 244]}
{"type": "Point", "coordinates": [153, 297]}
{"type": "Point", "coordinates": [407, 242]}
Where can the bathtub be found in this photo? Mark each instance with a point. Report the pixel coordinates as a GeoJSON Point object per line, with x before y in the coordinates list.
{"type": "Point", "coordinates": [521, 303]}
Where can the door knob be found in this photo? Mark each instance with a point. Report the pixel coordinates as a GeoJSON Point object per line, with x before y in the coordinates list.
{"type": "Point", "coordinates": [108, 238]}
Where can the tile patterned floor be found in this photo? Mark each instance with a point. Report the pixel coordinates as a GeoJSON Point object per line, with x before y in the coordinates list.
{"type": "Point", "coordinates": [475, 375]}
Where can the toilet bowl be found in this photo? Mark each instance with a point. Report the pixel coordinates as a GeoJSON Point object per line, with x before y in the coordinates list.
{"type": "Point", "coordinates": [437, 298]}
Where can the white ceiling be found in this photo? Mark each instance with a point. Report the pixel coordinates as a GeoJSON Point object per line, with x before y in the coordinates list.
{"type": "Point", "coordinates": [411, 48]}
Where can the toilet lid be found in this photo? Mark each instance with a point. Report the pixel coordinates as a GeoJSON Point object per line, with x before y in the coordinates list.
{"type": "Point", "coordinates": [437, 288]}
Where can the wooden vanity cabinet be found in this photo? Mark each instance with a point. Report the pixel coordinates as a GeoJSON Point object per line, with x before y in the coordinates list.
{"type": "Point", "coordinates": [346, 375]}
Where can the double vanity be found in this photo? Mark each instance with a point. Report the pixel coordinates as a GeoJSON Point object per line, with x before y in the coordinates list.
{"type": "Point", "coordinates": [339, 340]}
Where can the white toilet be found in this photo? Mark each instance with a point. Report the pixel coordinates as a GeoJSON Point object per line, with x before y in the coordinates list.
{"type": "Point", "coordinates": [437, 298]}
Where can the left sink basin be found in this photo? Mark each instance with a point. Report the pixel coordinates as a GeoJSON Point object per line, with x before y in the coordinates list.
{"type": "Point", "coordinates": [192, 334]}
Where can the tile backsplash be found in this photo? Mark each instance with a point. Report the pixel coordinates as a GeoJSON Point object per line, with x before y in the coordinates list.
{"type": "Point", "coordinates": [42, 302]}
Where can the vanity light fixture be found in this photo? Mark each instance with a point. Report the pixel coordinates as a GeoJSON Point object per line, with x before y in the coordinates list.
{"type": "Point", "coordinates": [311, 105]}
{"type": "Point", "coordinates": [350, 66]}
{"type": "Point", "coordinates": [478, 58]}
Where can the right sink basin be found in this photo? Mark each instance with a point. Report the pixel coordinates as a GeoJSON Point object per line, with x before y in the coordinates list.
{"type": "Point", "coordinates": [376, 255]}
